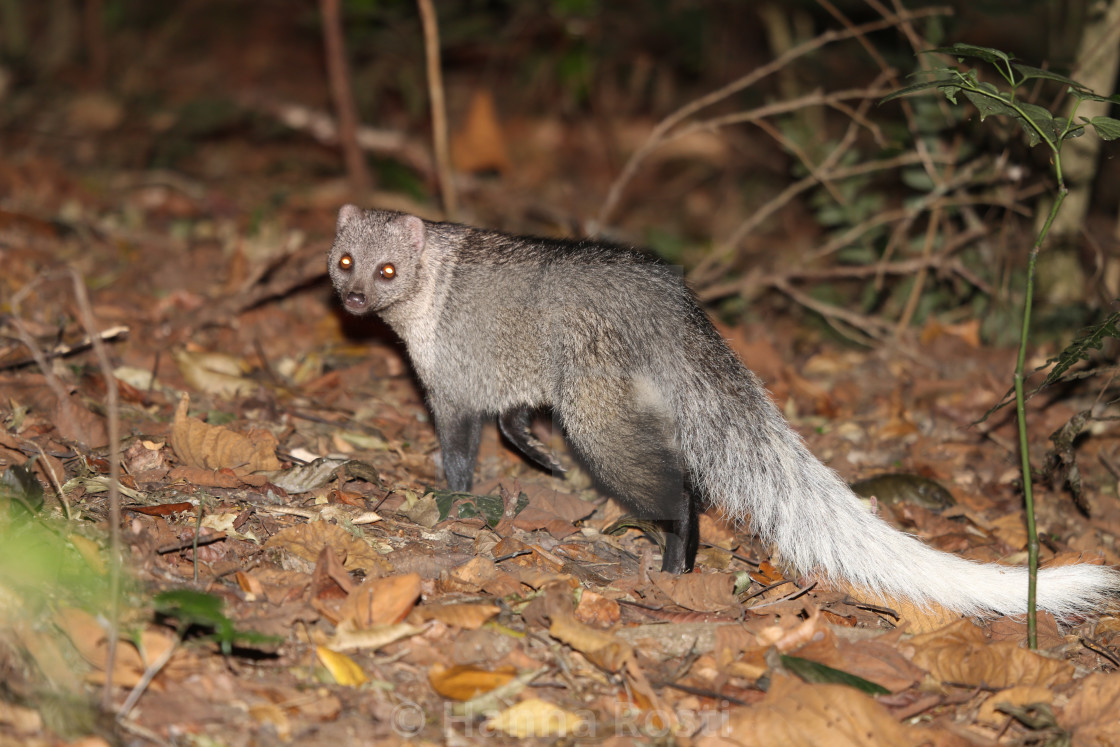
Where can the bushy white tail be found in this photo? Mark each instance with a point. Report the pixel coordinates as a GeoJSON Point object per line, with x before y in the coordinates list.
{"type": "Point", "coordinates": [760, 467]}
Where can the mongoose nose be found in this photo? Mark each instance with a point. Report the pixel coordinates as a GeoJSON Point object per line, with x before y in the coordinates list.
{"type": "Point", "coordinates": [355, 301]}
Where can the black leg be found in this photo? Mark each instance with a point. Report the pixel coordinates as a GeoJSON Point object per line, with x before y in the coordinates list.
{"type": "Point", "coordinates": [627, 443]}
{"type": "Point", "coordinates": [459, 435]}
{"type": "Point", "coordinates": [515, 427]}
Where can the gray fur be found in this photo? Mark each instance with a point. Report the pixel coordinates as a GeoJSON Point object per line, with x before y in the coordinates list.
{"type": "Point", "coordinates": [648, 394]}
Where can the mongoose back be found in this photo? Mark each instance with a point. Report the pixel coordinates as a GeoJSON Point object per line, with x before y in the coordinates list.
{"type": "Point", "coordinates": [649, 397]}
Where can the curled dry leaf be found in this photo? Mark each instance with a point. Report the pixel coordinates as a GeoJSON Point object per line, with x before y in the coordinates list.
{"type": "Point", "coordinates": [89, 638]}
{"type": "Point", "coordinates": [308, 540]}
{"type": "Point", "coordinates": [212, 447]}
{"type": "Point", "coordinates": [215, 373]}
{"type": "Point", "coordinates": [1016, 696]}
{"type": "Point", "coordinates": [1091, 712]}
{"type": "Point", "coordinates": [345, 670]}
{"type": "Point", "coordinates": [602, 649]}
{"type": "Point", "coordinates": [464, 682]}
{"type": "Point", "coordinates": [535, 718]}
{"type": "Point", "coordinates": [381, 601]}
{"type": "Point", "coordinates": [961, 653]}
{"type": "Point", "coordinates": [699, 592]}
{"type": "Point", "coordinates": [794, 714]}
{"type": "Point", "coordinates": [467, 616]}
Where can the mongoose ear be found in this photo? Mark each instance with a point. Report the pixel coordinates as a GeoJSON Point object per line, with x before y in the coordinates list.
{"type": "Point", "coordinates": [413, 229]}
{"type": "Point", "coordinates": [348, 213]}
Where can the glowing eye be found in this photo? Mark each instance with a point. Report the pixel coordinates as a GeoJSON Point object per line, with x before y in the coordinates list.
{"type": "Point", "coordinates": [346, 262]}
{"type": "Point", "coordinates": [388, 271]}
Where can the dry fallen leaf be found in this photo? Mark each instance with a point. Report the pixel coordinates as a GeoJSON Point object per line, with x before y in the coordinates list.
{"type": "Point", "coordinates": [795, 714]}
{"type": "Point", "coordinates": [464, 682]}
{"type": "Point", "coordinates": [1016, 696]}
{"type": "Point", "coordinates": [961, 653]}
{"type": "Point", "coordinates": [535, 718]}
{"type": "Point", "coordinates": [468, 616]}
{"type": "Point", "coordinates": [91, 641]}
{"type": "Point", "coordinates": [198, 444]}
{"type": "Point", "coordinates": [1091, 714]}
{"type": "Point", "coordinates": [215, 373]}
{"type": "Point", "coordinates": [602, 649]}
{"type": "Point", "coordinates": [381, 601]}
{"type": "Point", "coordinates": [345, 670]}
{"type": "Point", "coordinates": [306, 541]}
{"type": "Point", "coordinates": [699, 592]}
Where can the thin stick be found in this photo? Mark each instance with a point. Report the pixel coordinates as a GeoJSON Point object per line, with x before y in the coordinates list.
{"type": "Point", "coordinates": [662, 128]}
{"type": "Point", "coordinates": [113, 407]}
{"type": "Point", "coordinates": [338, 74]}
{"type": "Point", "coordinates": [439, 110]}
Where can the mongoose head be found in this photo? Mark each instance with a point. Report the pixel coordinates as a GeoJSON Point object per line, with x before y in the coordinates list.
{"type": "Point", "coordinates": [375, 258]}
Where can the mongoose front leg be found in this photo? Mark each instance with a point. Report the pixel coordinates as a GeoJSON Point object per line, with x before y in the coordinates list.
{"type": "Point", "coordinates": [459, 435]}
{"type": "Point", "coordinates": [515, 427]}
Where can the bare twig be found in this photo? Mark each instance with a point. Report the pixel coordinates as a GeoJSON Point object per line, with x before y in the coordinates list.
{"type": "Point", "coordinates": [113, 407]}
{"type": "Point", "coordinates": [657, 136]}
{"type": "Point", "coordinates": [338, 73]}
{"type": "Point", "coordinates": [61, 350]}
{"type": "Point", "coordinates": [872, 329]}
{"type": "Point", "coordinates": [439, 110]}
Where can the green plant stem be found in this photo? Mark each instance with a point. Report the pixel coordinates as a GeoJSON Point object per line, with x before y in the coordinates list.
{"type": "Point", "coordinates": [1020, 409]}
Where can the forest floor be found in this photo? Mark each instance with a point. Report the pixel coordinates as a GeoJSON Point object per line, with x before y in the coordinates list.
{"type": "Point", "coordinates": [355, 602]}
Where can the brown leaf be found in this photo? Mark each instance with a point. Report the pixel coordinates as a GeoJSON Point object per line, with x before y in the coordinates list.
{"type": "Point", "coordinates": [1017, 696]}
{"type": "Point", "coordinates": [211, 447]}
{"type": "Point", "coordinates": [467, 616]}
{"type": "Point", "coordinates": [306, 541]}
{"type": "Point", "coordinates": [381, 601]}
{"type": "Point", "coordinates": [76, 423]}
{"type": "Point", "coordinates": [795, 714]}
{"type": "Point", "coordinates": [464, 682]}
{"type": "Point", "coordinates": [91, 641]}
{"type": "Point", "coordinates": [700, 592]}
{"type": "Point", "coordinates": [480, 145]}
{"type": "Point", "coordinates": [602, 649]}
{"type": "Point", "coordinates": [595, 609]}
{"type": "Point", "coordinates": [877, 660]}
{"type": "Point", "coordinates": [961, 653]}
{"type": "Point", "coordinates": [1091, 712]}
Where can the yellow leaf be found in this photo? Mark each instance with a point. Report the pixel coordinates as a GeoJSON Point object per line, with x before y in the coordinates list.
{"type": "Point", "coordinates": [535, 718]}
{"type": "Point", "coordinates": [344, 669]}
{"type": "Point", "coordinates": [464, 682]}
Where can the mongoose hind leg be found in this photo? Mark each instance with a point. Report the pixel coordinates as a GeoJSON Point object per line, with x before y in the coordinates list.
{"type": "Point", "coordinates": [625, 441]}
{"type": "Point", "coordinates": [515, 427]}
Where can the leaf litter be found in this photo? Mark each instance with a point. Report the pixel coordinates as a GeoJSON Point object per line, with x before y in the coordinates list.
{"type": "Point", "coordinates": [280, 464]}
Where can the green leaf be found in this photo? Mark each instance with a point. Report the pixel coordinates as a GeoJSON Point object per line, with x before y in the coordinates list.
{"type": "Point", "coordinates": [811, 671]}
{"type": "Point", "coordinates": [1029, 72]}
{"type": "Point", "coordinates": [1107, 128]}
{"type": "Point", "coordinates": [1090, 96]}
{"type": "Point", "coordinates": [1029, 116]}
{"type": "Point", "coordinates": [20, 487]}
{"type": "Point", "coordinates": [489, 507]}
{"type": "Point", "coordinates": [916, 88]}
{"type": "Point", "coordinates": [1079, 350]}
{"type": "Point", "coordinates": [962, 51]}
{"type": "Point", "coordinates": [1092, 339]}
{"type": "Point", "coordinates": [196, 609]}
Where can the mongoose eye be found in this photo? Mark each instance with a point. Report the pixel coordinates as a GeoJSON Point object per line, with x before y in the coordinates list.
{"type": "Point", "coordinates": [388, 271]}
{"type": "Point", "coordinates": [346, 262]}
